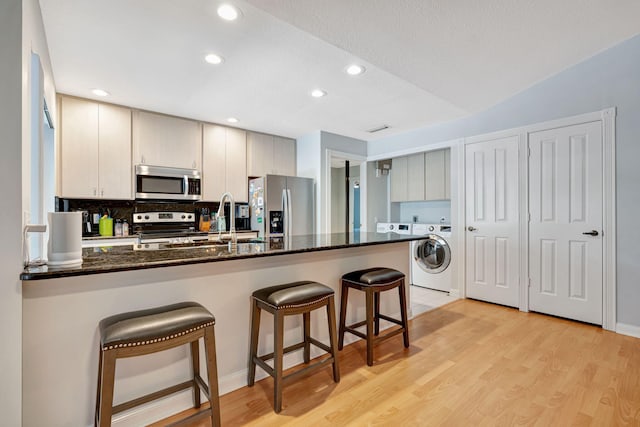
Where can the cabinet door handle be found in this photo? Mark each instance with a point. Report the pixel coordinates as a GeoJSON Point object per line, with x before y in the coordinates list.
{"type": "Point", "coordinates": [142, 159]}
{"type": "Point", "coordinates": [591, 233]}
{"type": "Point", "coordinates": [95, 191]}
{"type": "Point", "coordinates": [470, 228]}
{"type": "Point", "coordinates": [102, 192]}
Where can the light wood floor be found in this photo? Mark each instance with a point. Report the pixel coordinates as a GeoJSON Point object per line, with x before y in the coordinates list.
{"type": "Point", "coordinates": [470, 363]}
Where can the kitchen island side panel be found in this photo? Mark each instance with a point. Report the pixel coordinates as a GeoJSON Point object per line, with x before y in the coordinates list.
{"type": "Point", "coordinates": [60, 345]}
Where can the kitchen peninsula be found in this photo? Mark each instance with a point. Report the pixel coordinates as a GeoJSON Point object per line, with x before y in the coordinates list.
{"type": "Point", "coordinates": [62, 308]}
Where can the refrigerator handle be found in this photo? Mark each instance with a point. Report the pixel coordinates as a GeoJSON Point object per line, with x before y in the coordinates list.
{"type": "Point", "coordinates": [289, 216]}
{"type": "Point", "coordinates": [285, 212]}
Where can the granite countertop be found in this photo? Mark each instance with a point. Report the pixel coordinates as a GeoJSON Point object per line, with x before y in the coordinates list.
{"type": "Point", "coordinates": [124, 258]}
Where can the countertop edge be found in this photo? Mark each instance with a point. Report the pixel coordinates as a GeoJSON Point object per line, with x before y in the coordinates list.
{"type": "Point", "coordinates": [35, 276]}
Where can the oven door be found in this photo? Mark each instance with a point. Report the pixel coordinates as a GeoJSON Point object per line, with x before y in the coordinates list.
{"type": "Point", "coordinates": [161, 183]}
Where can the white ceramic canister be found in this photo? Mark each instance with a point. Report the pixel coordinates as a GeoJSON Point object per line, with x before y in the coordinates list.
{"type": "Point", "coordinates": [65, 238]}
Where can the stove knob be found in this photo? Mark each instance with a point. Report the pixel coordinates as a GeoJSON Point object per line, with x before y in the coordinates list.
{"type": "Point", "coordinates": [139, 217]}
{"type": "Point", "coordinates": [189, 216]}
{"type": "Point", "coordinates": [391, 227]}
{"type": "Point", "coordinates": [146, 217]}
{"type": "Point", "coordinates": [183, 216]}
{"type": "Point", "coordinates": [431, 228]}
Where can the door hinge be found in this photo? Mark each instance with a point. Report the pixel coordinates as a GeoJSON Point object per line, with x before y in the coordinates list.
{"type": "Point", "coordinates": [529, 281]}
{"type": "Point", "coordinates": [529, 151]}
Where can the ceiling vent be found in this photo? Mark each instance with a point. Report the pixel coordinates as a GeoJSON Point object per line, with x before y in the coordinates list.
{"type": "Point", "coordinates": [378, 129]}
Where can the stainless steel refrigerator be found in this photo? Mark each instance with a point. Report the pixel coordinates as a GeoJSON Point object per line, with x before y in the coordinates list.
{"type": "Point", "coordinates": [282, 205]}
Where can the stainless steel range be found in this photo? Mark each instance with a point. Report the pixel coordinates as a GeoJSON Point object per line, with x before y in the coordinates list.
{"type": "Point", "coordinates": [166, 227]}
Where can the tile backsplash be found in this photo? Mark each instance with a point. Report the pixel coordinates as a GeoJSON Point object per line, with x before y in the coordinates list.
{"type": "Point", "coordinates": [124, 209]}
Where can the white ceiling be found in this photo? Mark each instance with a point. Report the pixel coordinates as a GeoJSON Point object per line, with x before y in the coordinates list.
{"type": "Point", "coordinates": [427, 61]}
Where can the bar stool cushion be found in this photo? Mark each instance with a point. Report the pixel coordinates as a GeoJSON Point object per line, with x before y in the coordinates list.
{"type": "Point", "coordinates": [293, 294]}
{"type": "Point", "coordinates": [153, 325]}
{"type": "Point", "coordinates": [373, 276]}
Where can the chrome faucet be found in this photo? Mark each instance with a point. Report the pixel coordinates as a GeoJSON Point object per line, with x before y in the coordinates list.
{"type": "Point", "coordinates": [232, 212]}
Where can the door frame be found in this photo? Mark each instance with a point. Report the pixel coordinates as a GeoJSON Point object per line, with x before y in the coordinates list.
{"type": "Point", "coordinates": [326, 190]}
{"type": "Point", "coordinates": [607, 119]}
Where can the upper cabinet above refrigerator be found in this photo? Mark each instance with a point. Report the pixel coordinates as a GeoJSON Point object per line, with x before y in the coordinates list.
{"type": "Point", "coordinates": [160, 140]}
{"type": "Point", "coordinates": [269, 154]}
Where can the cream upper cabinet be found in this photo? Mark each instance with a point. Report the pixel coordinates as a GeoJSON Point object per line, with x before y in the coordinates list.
{"type": "Point", "coordinates": [398, 177]}
{"type": "Point", "coordinates": [284, 156]}
{"type": "Point", "coordinates": [95, 150]}
{"type": "Point", "coordinates": [415, 177]}
{"type": "Point", "coordinates": [160, 140]}
{"type": "Point", "coordinates": [224, 167]}
{"type": "Point", "coordinates": [407, 178]}
{"type": "Point", "coordinates": [259, 154]}
{"type": "Point", "coordinates": [437, 175]}
{"type": "Point", "coordinates": [268, 154]}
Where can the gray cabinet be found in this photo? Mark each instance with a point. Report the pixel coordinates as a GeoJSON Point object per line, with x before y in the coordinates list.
{"type": "Point", "coordinates": [160, 140]}
{"type": "Point", "coordinates": [269, 154]}
{"type": "Point", "coordinates": [95, 150]}
{"type": "Point", "coordinates": [437, 175]}
{"type": "Point", "coordinates": [407, 178]}
{"type": "Point", "coordinates": [421, 177]}
{"type": "Point", "coordinates": [224, 168]}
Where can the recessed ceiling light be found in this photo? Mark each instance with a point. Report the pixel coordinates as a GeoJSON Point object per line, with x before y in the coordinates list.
{"type": "Point", "coordinates": [355, 70]}
{"type": "Point", "coordinates": [318, 93]}
{"type": "Point", "coordinates": [212, 58]}
{"type": "Point", "coordinates": [228, 12]}
{"type": "Point", "coordinates": [232, 120]}
{"type": "Point", "coordinates": [100, 92]}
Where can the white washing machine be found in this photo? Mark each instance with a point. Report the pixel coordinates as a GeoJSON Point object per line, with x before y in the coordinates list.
{"type": "Point", "coordinates": [431, 257]}
{"type": "Point", "coordinates": [394, 227]}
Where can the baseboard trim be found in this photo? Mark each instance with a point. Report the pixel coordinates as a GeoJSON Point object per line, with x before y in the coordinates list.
{"type": "Point", "coordinates": [455, 293]}
{"type": "Point", "coordinates": [625, 329]}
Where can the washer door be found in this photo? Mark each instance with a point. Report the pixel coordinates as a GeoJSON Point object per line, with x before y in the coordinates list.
{"type": "Point", "coordinates": [432, 254]}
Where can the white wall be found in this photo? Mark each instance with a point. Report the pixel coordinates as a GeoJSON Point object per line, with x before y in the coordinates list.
{"type": "Point", "coordinates": [10, 216]}
{"type": "Point", "coordinates": [308, 165]}
{"type": "Point", "coordinates": [311, 161]}
{"type": "Point", "coordinates": [609, 79]}
{"type": "Point", "coordinates": [333, 142]}
{"type": "Point", "coordinates": [21, 33]}
{"type": "Point", "coordinates": [61, 336]}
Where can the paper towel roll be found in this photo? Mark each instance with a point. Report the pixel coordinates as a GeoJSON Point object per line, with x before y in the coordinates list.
{"type": "Point", "coordinates": [65, 238]}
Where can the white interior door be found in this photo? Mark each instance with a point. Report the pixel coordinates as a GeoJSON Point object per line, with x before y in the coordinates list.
{"type": "Point", "coordinates": [565, 230]}
{"type": "Point", "coordinates": [492, 240]}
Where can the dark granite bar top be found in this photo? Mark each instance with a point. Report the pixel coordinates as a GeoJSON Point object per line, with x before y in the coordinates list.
{"type": "Point", "coordinates": [125, 258]}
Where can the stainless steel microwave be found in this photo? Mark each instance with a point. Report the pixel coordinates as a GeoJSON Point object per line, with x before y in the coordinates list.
{"type": "Point", "coordinates": [163, 183]}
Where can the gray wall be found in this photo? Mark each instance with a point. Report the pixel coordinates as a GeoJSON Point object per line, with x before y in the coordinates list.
{"type": "Point", "coordinates": [377, 198]}
{"type": "Point", "coordinates": [11, 215]}
{"type": "Point", "coordinates": [609, 79]}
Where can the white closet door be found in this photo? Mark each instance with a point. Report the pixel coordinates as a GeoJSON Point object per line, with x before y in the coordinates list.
{"type": "Point", "coordinates": [565, 231]}
{"type": "Point", "coordinates": [492, 240]}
